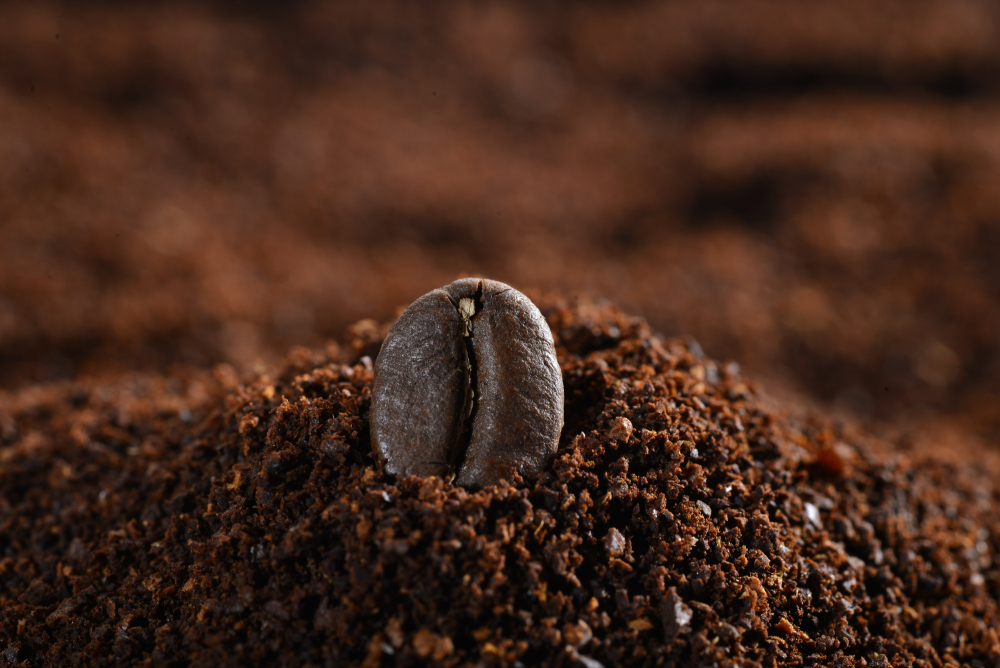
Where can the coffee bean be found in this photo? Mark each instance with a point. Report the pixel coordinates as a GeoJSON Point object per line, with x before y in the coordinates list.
{"type": "Point", "coordinates": [467, 387]}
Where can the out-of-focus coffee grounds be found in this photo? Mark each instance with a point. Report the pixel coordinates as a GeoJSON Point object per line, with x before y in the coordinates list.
{"type": "Point", "coordinates": [201, 521]}
{"type": "Point", "coordinates": [807, 188]}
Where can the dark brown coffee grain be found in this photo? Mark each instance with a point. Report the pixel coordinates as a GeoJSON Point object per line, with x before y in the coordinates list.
{"type": "Point", "coordinates": [467, 386]}
{"type": "Point", "coordinates": [198, 521]}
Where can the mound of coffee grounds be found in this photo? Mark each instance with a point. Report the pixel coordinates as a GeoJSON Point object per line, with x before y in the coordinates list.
{"type": "Point", "coordinates": [199, 521]}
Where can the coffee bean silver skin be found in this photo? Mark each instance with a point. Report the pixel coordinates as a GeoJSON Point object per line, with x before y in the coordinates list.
{"type": "Point", "coordinates": [467, 387]}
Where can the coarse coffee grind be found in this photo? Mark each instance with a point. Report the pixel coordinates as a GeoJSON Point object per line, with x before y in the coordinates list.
{"type": "Point", "coordinates": [197, 520]}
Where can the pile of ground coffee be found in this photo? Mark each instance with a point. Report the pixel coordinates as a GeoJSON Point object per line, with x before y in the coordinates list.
{"type": "Point", "coordinates": [195, 521]}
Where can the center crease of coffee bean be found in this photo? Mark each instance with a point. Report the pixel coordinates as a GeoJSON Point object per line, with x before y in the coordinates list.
{"type": "Point", "coordinates": [468, 308]}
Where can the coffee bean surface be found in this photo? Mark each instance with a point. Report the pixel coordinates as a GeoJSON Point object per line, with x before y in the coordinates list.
{"type": "Point", "coordinates": [467, 386]}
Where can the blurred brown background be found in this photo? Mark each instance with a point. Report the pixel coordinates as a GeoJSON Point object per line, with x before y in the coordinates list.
{"type": "Point", "coordinates": [811, 189]}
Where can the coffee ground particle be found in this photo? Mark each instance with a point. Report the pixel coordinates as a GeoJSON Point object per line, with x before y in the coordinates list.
{"type": "Point", "coordinates": [195, 521]}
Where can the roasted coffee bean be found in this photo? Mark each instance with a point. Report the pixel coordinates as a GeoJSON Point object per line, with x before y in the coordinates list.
{"type": "Point", "coordinates": [467, 387]}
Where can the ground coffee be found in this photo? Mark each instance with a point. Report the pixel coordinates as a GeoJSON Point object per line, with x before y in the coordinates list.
{"type": "Point", "coordinates": [201, 521]}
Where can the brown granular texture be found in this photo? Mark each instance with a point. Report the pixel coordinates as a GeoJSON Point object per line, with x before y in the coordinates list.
{"type": "Point", "coordinates": [197, 521]}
